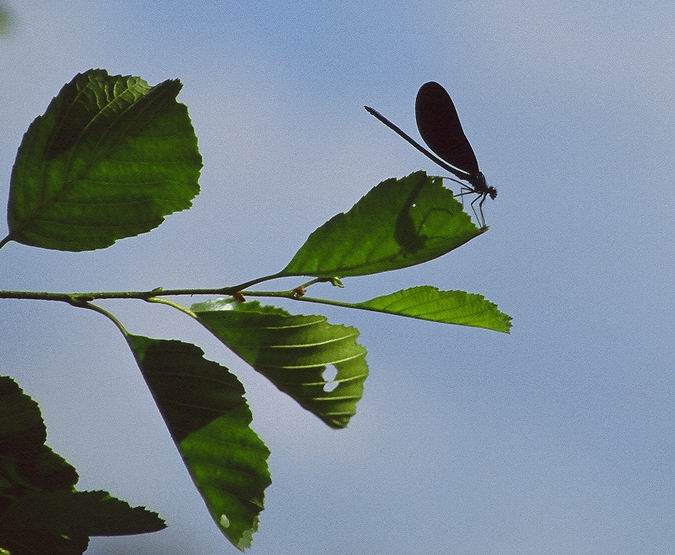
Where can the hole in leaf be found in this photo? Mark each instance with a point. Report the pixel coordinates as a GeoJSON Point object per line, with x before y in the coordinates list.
{"type": "Point", "coordinates": [329, 375]}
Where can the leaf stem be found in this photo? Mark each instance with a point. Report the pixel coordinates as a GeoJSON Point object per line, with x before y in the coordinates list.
{"type": "Point", "coordinates": [334, 281]}
{"type": "Point", "coordinates": [316, 300]}
{"type": "Point", "coordinates": [256, 281]}
{"type": "Point", "coordinates": [172, 304]}
{"type": "Point", "coordinates": [5, 241]}
{"type": "Point", "coordinates": [109, 315]}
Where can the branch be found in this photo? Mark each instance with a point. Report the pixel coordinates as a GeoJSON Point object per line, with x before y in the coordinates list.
{"type": "Point", "coordinates": [78, 298]}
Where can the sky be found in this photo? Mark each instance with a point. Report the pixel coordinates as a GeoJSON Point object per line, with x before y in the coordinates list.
{"type": "Point", "coordinates": [557, 438]}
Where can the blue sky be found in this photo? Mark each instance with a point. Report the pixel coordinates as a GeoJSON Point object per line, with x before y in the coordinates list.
{"type": "Point", "coordinates": [557, 438]}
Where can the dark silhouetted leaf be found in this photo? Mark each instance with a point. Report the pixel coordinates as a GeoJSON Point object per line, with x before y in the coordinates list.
{"type": "Point", "coordinates": [83, 513]}
{"type": "Point", "coordinates": [39, 510]}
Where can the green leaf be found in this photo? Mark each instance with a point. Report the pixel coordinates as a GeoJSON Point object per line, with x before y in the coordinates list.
{"type": "Point", "coordinates": [204, 408]}
{"type": "Point", "coordinates": [446, 307]}
{"type": "Point", "coordinates": [39, 510]}
{"type": "Point", "coordinates": [296, 353]}
{"type": "Point", "coordinates": [399, 223]}
{"type": "Point", "coordinates": [109, 159]}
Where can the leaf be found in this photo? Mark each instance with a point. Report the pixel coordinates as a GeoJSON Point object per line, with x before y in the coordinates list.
{"type": "Point", "coordinates": [204, 408]}
{"type": "Point", "coordinates": [295, 353]}
{"type": "Point", "coordinates": [26, 463]}
{"type": "Point", "coordinates": [36, 541]}
{"type": "Point", "coordinates": [39, 510]}
{"type": "Point", "coordinates": [399, 223]}
{"type": "Point", "coordinates": [22, 428]}
{"type": "Point", "coordinates": [109, 159]}
{"type": "Point", "coordinates": [446, 307]}
{"type": "Point", "coordinates": [83, 513]}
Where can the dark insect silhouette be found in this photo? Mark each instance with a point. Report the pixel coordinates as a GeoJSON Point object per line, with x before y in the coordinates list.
{"type": "Point", "coordinates": [440, 128]}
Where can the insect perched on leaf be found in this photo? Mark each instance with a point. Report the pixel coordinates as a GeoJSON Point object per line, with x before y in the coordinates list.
{"type": "Point", "coordinates": [440, 128]}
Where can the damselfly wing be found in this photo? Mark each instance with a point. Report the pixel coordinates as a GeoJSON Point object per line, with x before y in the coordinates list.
{"type": "Point", "coordinates": [439, 125]}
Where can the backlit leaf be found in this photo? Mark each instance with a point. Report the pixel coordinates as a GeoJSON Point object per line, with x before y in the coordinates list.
{"type": "Point", "coordinates": [319, 364]}
{"type": "Point", "coordinates": [446, 307]}
{"type": "Point", "coordinates": [204, 408]}
{"type": "Point", "coordinates": [399, 223]}
{"type": "Point", "coordinates": [109, 159]}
